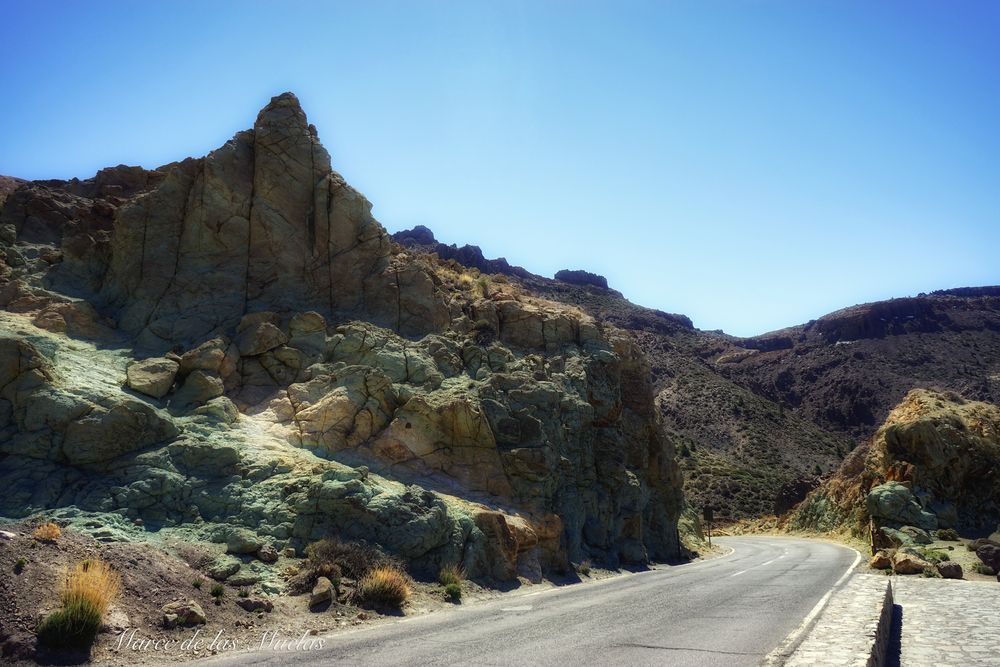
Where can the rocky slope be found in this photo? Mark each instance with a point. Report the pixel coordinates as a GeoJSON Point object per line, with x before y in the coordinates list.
{"type": "Point", "coordinates": [758, 421]}
{"type": "Point", "coordinates": [934, 463]}
{"type": "Point", "coordinates": [234, 340]}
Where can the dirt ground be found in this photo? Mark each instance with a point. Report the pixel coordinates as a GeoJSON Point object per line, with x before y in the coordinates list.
{"type": "Point", "coordinates": [156, 574]}
{"type": "Point", "coordinates": [152, 578]}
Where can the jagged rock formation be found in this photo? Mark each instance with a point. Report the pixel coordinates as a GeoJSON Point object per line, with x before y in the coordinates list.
{"type": "Point", "coordinates": [935, 463]}
{"type": "Point", "coordinates": [471, 256]}
{"type": "Point", "coordinates": [291, 340]}
{"type": "Point", "coordinates": [582, 278]}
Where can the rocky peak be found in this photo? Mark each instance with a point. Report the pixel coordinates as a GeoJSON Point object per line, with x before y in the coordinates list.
{"type": "Point", "coordinates": [261, 224]}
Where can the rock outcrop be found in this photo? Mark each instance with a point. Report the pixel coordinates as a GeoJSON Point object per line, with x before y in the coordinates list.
{"type": "Point", "coordinates": [309, 376]}
{"type": "Point", "coordinates": [580, 277]}
{"type": "Point", "coordinates": [422, 238]}
{"type": "Point", "coordinates": [934, 463]}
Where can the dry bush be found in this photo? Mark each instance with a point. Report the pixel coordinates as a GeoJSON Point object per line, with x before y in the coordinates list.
{"type": "Point", "coordinates": [355, 559]}
{"type": "Point", "coordinates": [386, 587]}
{"type": "Point", "coordinates": [332, 559]}
{"type": "Point", "coordinates": [88, 592]}
{"type": "Point", "coordinates": [47, 532]}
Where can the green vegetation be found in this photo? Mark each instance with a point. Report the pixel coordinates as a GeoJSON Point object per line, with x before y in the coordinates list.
{"type": "Point", "coordinates": [218, 590]}
{"type": "Point", "coordinates": [935, 556]}
{"type": "Point", "coordinates": [453, 592]}
{"type": "Point", "coordinates": [197, 583]}
{"type": "Point", "coordinates": [244, 593]}
{"type": "Point", "coordinates": [19, 565]}
{"type": "Point", "coordinates": [584, 568]}
{"type": "Point", "coordinates": [451, 574]}
{"type": "Point", "coordinates": [983, 568]}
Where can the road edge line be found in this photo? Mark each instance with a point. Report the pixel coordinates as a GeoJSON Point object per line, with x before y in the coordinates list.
{"type": "Point", "coordinates": [796, 636]}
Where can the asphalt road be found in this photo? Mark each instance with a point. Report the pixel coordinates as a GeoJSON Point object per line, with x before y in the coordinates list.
{"type": "Point", "coordinates": [728, 611]}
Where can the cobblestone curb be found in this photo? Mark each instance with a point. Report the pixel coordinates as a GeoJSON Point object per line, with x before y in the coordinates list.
{"type": "Point", "coordinates": [853, 629]}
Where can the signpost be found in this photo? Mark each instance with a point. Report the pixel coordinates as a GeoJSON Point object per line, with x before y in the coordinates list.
{"type": "Point", "coordinates": [709, 516]}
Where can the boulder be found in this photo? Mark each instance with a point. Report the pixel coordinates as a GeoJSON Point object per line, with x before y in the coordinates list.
{"type": "Point", "coordinates": [183, 613]}
{"type": "Point", "coordinates": [209, 356]}
{"type": "Point", "coordinates": [107, 433]}
{"type": "Point", "coordinates": [894, 502]}
{"type": "Point", "coordinates": [243, 579]}
{"type": "Point", "coordinates": [219, 409]}
{"type": "Point", "coordinates": [882, 560]}
{"type": "Point", "coordinates": [322, 592]}
{"type": "Point", "coordinates": [255, 604]}
{"type": "Point", "coordinates": [916, 535]}
{"type": "Point", "coordinates": [260, 338]}
{"type": "Point", "coordinates": [242, 541]}
{"type": "Point", "coordinates": [949, 570]}
{"type": "Point", "coordinates": [905, 562]}
{"type": "Point", "coordinates": [989, 554]}
{"type": "Point", "coordinates": [199, 387]}
{"type": "Point", "coordinates": [267, 554]}
{"type": "Point", "coordinates": [224, 567]}
{"type": "Point", "coordinates": [153, 377]}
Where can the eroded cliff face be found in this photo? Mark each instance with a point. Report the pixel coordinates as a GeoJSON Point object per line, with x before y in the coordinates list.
{"type": "Point", "coordinates": [234, 339]}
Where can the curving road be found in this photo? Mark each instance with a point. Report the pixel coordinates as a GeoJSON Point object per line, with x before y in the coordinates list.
{"type": "Point", "coordinates": [732, 610]}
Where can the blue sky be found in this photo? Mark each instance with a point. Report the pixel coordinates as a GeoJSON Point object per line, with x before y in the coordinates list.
{"type": "Point", "coordinates": [750, 164]}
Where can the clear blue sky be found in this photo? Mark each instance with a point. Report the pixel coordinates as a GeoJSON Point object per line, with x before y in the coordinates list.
{"type": "Point", "coordinates": [751, 164]}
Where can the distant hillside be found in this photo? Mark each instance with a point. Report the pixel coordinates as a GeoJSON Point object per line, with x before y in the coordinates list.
{"type": "Point", "coordinates": [758, 421]}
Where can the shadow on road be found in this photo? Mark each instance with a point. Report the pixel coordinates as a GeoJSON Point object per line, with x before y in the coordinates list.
{"type": "Point", "coordinates": [892, 653]}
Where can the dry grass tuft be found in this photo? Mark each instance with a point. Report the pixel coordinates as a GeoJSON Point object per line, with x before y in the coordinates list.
{"type": "Point", "coordinates": [47, 532]}
{"type": "Point", "coordinates": [94, 582]}
{"type": "Point", "coordinates": [451, 574]}
{"type": "Point", "coordinates": [88, 592]}
{"type": "Point", "coordinates": [383, 587]}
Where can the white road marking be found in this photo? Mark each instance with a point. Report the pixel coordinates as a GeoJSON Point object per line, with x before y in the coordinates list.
{"type": "Point", "coordinates": [756, 566]}
{"type": "Point", "coordinates": [778, 655]}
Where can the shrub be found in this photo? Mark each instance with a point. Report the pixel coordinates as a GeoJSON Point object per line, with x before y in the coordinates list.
{"type": "Point", "coordinates": [19, 565]}
{"type": "Point", "coordinates": [333, 559]}
{"type": "Point", "coordinates": [197, 583]}
{"type": "Point", "coordinates": [584, 568]}
{"type": "Point", "coordinates": [935, 556]}
{"type": "Point", "coordinates": [451, 574]}
{"type": "Point", "coordinates": [89, 590]}
{"type": "Point", "coordinates": [218, 590]}
{"type": "Point", "coordinates": [983, 568]}
{"type": "Point", "coordinates": [947, 534]}
{"type": "Point", "coordinates": [482, 287]}
{"type": "Point", "coordinates": [355, 559]}
{"type": "Point", "coordinates": [453, 591]}
{"type": "Point", "coordinates": [383, 587]}
{"type": "Point", "coordinates": [47, 532]}
{"type": "Point", "coordinates": [244, 593]}
{"type": "Point", "coordinates": [931, 572]}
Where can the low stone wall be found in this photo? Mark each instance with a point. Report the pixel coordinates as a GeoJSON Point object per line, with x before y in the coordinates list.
{"type": "Point", "coordinates": [853, 629]}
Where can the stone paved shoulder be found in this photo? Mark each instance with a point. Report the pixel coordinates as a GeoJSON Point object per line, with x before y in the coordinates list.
{"type": "Point", "coordinates": [948, 622]}
{"type": "Point", "coordinates": [852, 629]}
